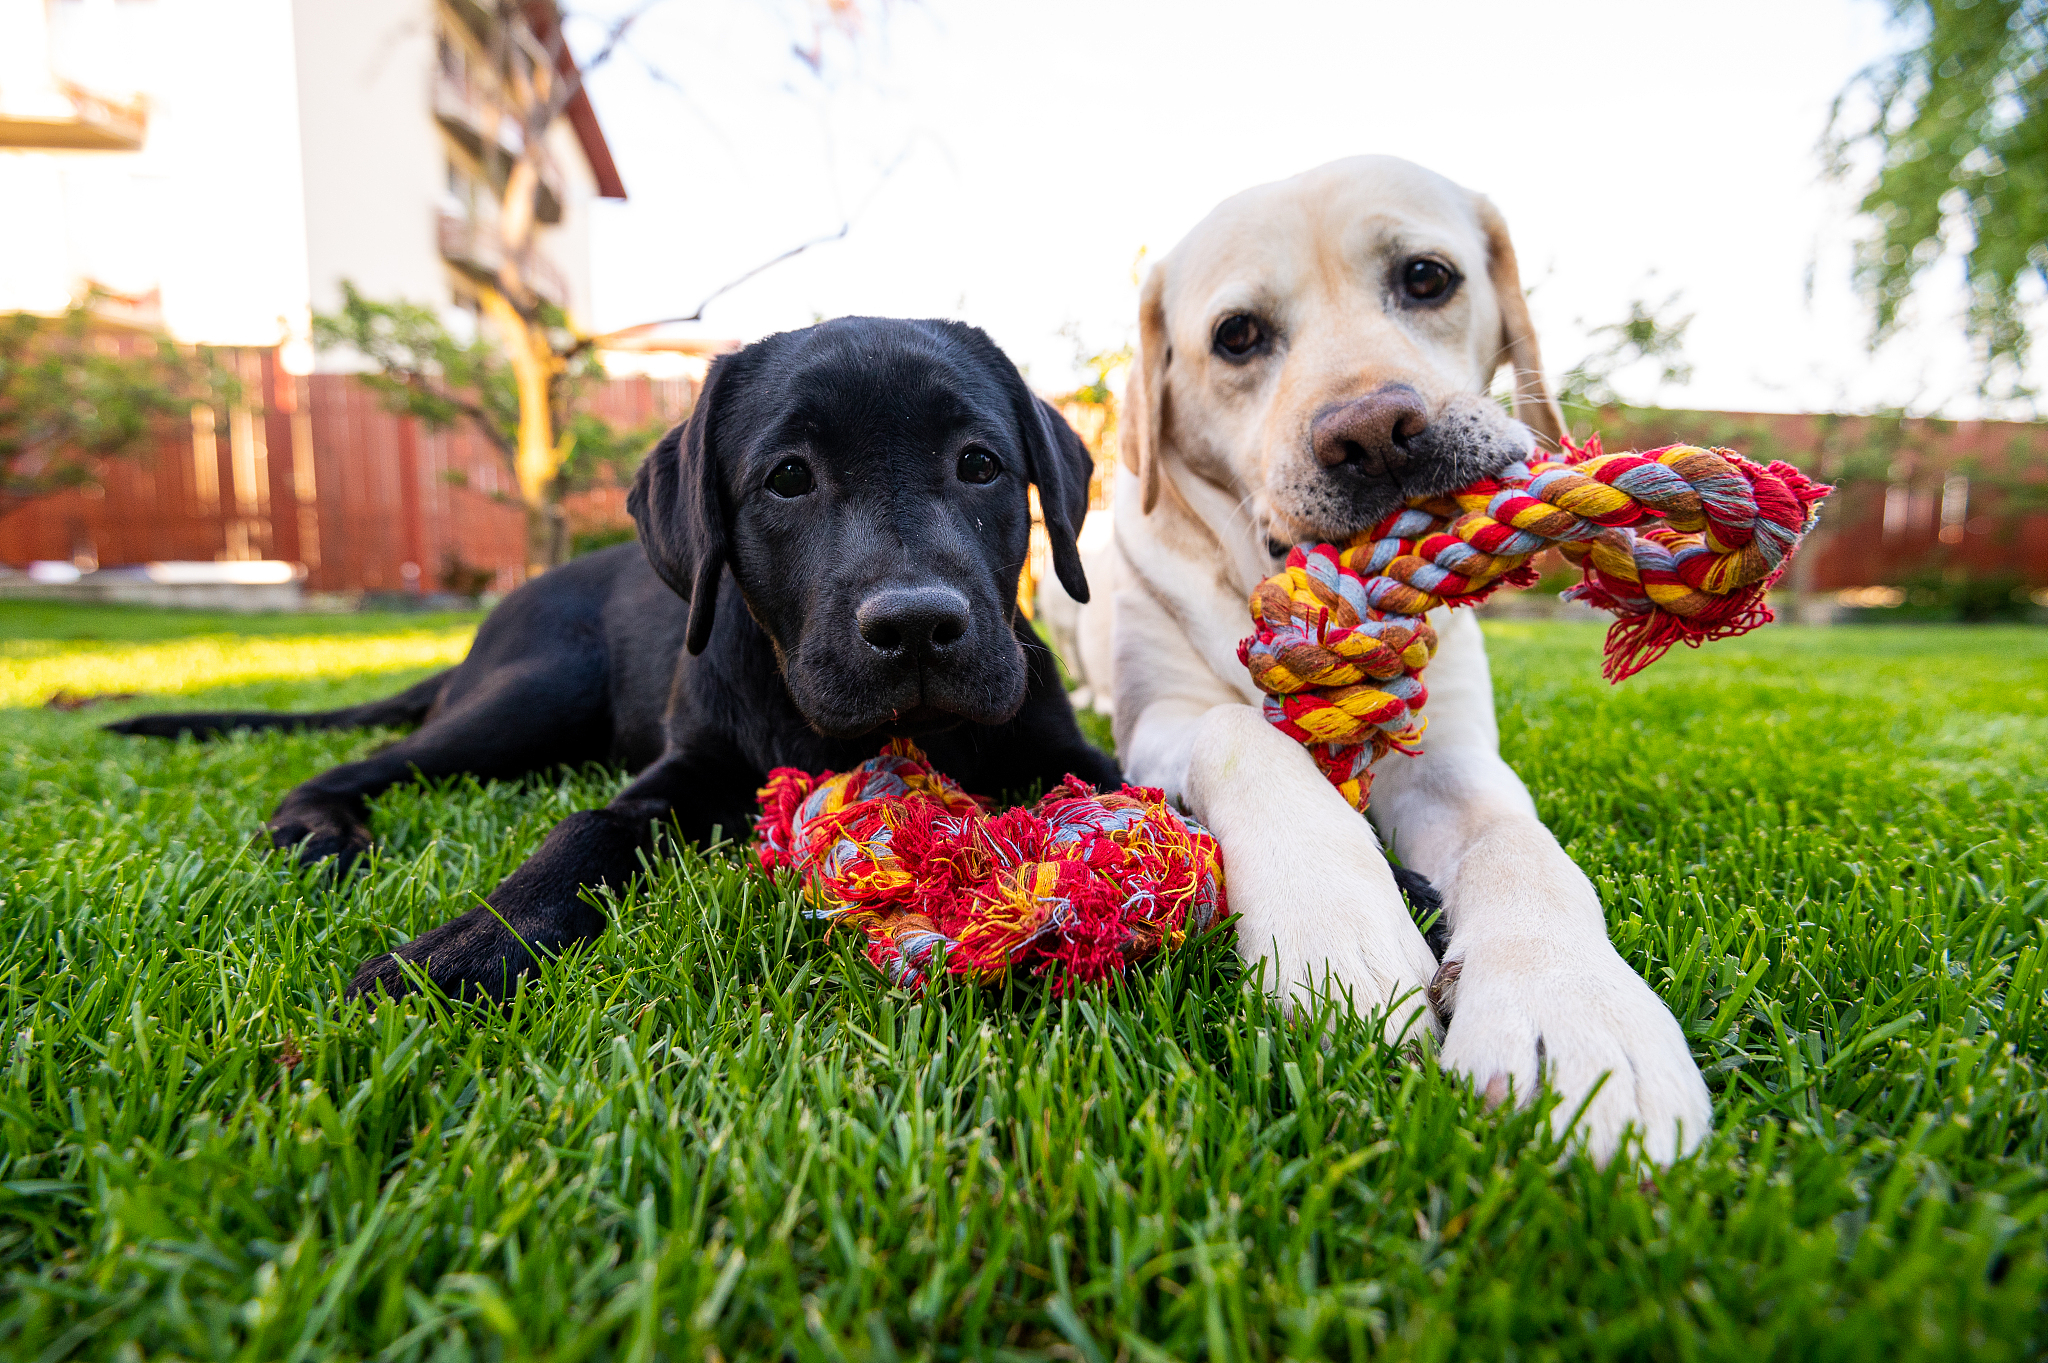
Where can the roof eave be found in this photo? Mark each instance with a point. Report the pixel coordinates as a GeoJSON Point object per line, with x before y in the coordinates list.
{"type": "Point", "coordinates": [581, 114]}
{"type": "Point", "coordinates": [583, 118]}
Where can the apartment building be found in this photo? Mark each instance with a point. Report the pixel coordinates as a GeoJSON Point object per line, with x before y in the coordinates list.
{"type": "Point", "coordinates": [217, 169]}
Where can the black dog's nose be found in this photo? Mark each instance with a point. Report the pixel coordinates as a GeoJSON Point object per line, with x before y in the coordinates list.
{"type": "Point", "coordinates": [912, 623]}
{"type": "Point", "coordinates": [1371, 433]}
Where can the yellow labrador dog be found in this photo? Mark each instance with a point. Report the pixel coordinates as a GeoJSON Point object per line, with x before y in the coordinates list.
{"type": "Point", "coordinates": [1313, 353]}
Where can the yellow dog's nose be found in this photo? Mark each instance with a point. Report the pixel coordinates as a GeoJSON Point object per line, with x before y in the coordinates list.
{"type": "Point", "coordinates": [1371, 432]}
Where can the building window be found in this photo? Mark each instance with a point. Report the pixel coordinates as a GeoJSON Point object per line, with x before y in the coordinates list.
{"type": "Point", "coordinates": [452, 64]}
{"type": "Point", "coordinates": [466, 316]}
{"type": "Point", "coordinates": [461, 190]}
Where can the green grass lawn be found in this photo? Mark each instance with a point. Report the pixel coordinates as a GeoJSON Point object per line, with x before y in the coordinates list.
{"type": "Point", "coordinates": [716, 1135]}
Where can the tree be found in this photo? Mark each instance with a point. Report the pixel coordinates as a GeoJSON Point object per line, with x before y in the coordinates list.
{"type": "Point", "coordinates": [1646, 334]}
{"type": "Point", "coordinates": [74, 393]}
{"type": "Point", "coordinates": [600, 453]}
{"type": "Point", "coordinates": [537, 358]}
{"type": "Point", "coordinates": [422, 370]}
{"type": "Point", "coordinates": [1958, 121]}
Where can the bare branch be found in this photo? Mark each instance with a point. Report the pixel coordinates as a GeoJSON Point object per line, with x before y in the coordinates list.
{"type": "Point", "coordinates": [545, 44]}
{"type": "Point", "coordinates": [566, 87]}
{"type": "Point", "coordinates": [731, 284]}
{"type": "Point", "coordinates": [797, 250]}
{"type": "Point", "coordinates": [681, 92]}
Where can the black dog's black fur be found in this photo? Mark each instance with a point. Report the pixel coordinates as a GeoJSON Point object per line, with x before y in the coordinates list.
{"type": "Point", "coordinates": [799, 631]}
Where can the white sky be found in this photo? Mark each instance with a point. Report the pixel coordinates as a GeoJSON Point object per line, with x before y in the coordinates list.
{"type": "Point", "coordinates": [1637, 149]}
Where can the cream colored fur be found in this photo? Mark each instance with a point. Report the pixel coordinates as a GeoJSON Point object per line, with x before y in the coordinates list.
{"type": "Point", "coordinates": [1218, 463]}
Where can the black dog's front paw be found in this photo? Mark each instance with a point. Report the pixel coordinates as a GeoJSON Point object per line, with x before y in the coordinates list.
{"type": "Point", "coordinates": [538, 908]}
{"type": "Point", "coordinates": [1426, 905]}
{"type": "Point", "coordinates": [317, 833]}
{"type": "Point", "coordinates": [482, 954]}
{"type": "Point", "coordinates": [472, 957]}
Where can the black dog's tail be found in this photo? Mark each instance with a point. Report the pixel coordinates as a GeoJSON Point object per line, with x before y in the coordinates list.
{"type": "Point", "coordinates": [407, 708]}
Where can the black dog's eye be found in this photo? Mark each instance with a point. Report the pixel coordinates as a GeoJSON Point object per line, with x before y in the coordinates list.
{"type": "Point", "coordinates": [977, 465]}
{"type": "Point", "coordinates": [1427, 280]}
{"type": "Point", "coordinates": [791, 478]}
{"type": "Point", "coordinates": [1239, 334]}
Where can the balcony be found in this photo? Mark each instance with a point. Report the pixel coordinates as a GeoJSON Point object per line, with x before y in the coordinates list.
{"type": "Point", "coordinates": [466, 113]}
{"type": "Point", "coordinates": [469, 115]}
{"type": "Point", "coordinates": [70, 119]}
{"type": "Point", "coordinates": [476, 249]}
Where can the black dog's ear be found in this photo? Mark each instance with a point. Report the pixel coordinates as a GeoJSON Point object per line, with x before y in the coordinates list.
{"type": "Point", "coordinates": [1061, 466]}
{"type": "Point", "coordinates": [678, 504]}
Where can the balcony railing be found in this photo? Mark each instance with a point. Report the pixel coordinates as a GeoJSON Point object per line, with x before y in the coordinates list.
{"type": "Point", "coordinates": [469, 115]}
{"type": "Point", "coordinates": [476, 249]}
{"type": "Point", "coordinates": [466, 113]}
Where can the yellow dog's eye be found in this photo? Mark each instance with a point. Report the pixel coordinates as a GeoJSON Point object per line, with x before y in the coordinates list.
{"type": "Point", "coordinates": [1426, 279]}
{"type": "Point", "coordinates": [1239, 334]}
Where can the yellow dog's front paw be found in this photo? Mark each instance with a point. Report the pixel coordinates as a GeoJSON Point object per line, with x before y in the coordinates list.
{"type": "Point", "coordinates": [1376, 964]}
{"type": "Point", "coordinates": [1572, 1015]}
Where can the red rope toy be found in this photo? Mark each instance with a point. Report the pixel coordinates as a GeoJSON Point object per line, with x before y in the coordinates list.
{"type": "Point", "coordinates": [1076, 887]}
{"type": "Point", "coordinates": [1681, 543]}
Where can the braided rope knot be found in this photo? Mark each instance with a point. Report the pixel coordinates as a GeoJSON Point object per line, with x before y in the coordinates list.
{"type": "Point", "coordinates": [1339, 675]}
{"type": "Point", "coordinates": [1074, 888]}
{"type": "Point", "coordinates": [1680, 543]}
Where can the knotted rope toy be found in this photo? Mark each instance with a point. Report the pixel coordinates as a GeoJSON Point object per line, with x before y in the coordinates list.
{"type": "Point", "coordinates": [1076, 887]}
{"type": "Point", "coordinates": [1681, 543]}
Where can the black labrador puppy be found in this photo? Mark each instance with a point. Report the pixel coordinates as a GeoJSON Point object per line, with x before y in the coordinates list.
{"type": "Point", "coordinates": [829, 551]}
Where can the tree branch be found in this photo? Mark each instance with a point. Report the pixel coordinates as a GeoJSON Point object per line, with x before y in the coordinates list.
{"type": "Point", "coordinates": [424, 385]}
{"type": "Point", "coordinates": [731, 284]}
{"type": "Point", "coordinates": [557, 42]}
{"type": "Point", "coordinates": [847, 226]}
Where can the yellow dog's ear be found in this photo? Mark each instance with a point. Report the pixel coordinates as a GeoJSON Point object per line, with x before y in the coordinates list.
{"type": "Point", "coordinates": [1534, 406]}
{"type": "Point", "coordinates": [1144, 416]}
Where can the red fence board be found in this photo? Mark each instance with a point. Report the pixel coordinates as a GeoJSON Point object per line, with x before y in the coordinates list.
{"type": "Point", "coordinates": [314, 470]}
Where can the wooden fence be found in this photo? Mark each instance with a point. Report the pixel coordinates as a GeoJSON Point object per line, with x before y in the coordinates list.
{"type": "Point", "coordinates": [314, 470]}
{"type": "Point", "coordinates": [1913, 496]}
